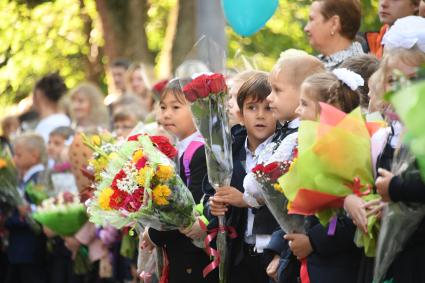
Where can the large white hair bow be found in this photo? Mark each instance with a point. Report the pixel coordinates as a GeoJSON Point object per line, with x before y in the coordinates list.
{"type": "Point", "coordinates": [350, 78]}
{"type": "Point", "coordinates": [405, 33]}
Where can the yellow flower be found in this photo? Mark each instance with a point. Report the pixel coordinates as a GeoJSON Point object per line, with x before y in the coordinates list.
{"type": "Point", "coordinates": [137, 155]}
{"type": "Point", "coordinates": [141, 176]}
{"type": "Point", "coordinates": [160, 194]}
{"type": "Point", "coordinates": [95, 139]}
{"type": "Point", "coordinates": [164, 172]}
{"type": "Point", "coordinates": [278, 188]}
{"type": "Point", "coordinates": [105, 198]}
{"type": "Point", "coordinates": [3, 163]}
{"type": "Point", "coordinates": [113, 155]}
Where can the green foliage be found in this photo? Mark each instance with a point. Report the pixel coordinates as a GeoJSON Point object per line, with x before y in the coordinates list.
{"type": "Point", "coordinates": [46, 38]}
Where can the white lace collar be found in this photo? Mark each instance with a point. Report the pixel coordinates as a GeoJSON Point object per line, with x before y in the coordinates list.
{"type": "Point", "coordinates": [334, 60]}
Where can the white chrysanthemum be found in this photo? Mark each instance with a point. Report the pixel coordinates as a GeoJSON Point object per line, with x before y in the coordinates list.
{"type": "Point", "coordinates": [128, 184]}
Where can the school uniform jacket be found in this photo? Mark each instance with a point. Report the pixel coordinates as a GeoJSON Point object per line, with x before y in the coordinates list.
{"type": "Point", "coordinates": [25, 245]}
{"type": "Point", "coordinates": [186, 261]}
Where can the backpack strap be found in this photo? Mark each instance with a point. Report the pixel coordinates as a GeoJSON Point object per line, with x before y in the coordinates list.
{"type": "Point", "coordinates": [187, 158]}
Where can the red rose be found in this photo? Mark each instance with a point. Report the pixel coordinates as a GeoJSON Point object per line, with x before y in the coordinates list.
{"type": "Point", "coordinates": [189, 93]}
{"type": "Point", "coordinates": [217, 83]}
{"type": "Point", "coordinates": [160, 86]}
{"type": "Point", "coordinates": [200, 86]}
{"type": "Point", "coordinates": [164, 145]}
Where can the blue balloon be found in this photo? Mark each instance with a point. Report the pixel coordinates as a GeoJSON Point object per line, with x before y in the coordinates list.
{"type": "Point", "coordinates": [248, 16]}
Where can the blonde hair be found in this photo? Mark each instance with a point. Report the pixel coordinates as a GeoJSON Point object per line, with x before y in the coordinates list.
{"type": "Point", "coordinates": [147, 72]}
{"type": "Point", "coordinates": [299, 65]}
{"type": "Point", "coordinates": [413, 57]}
{"type": "Point", "coordinates": [34, 143]}
{"type": "Point", "coordinates": [243, 76]}
{"type": "Point", "coordinates": [98, 115]}
{"type": "Point", "coordinates": [326, 87]}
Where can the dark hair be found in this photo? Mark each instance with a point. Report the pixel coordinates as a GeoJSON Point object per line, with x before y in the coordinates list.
{"type": "Point", "coordinates": [174, 87]}
{"type": "Point", "coordinates": [52, 86]}
{"type": "Point", "coordinates": [349, 12]}
{"type": "Point", "coordinates": [326, 87]}
{"type": "Point", "coordinates": [65, 132]}
{"type": "Point", "coordinates": [121, 63]}
{"type": "Point", "coordinates": [256, 87]}
{"type": "Point", "coordinates": [364, 65]}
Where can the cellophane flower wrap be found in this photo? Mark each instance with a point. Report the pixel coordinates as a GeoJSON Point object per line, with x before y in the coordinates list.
{"type": "Point", "coordinates": [140, 185]}
{"type": "Point", "coordinates": [267, 175]}
{"type": "Point", "coordinates": [208, 96]}
{"type": "Point", "coordinates": [400, 219]}
{"type": "Point", "coordinates": [64, 214]}
{"type": "Point", "coordinates": [334, 161]}
{"type": "Point", "coordinates": [9, 195]}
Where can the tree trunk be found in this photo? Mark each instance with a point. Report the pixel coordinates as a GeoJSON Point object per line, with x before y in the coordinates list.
{"type": "Point", "coordinates": [93, 60]}
{"type": "Point", "coordinates": [123, 25]}
{"type": "Point", "coordinates": [179, 37]}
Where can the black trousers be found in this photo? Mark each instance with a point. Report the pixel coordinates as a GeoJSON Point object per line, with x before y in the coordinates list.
{"type": "Point", "coordinates": [24, 273]}
{"type": "Point", "coordinates": [251, 269]}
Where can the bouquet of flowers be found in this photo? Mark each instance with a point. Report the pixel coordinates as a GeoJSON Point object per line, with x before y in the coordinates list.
{"type": "Point", "coordinates": [267, 176]}
{"type": "Point", "coordinates": [208, 94]}
{"type": "Point", "coordinates": [339, 147]}
{"type": "Point", "coordinates": [140, 185]}
{"type": "Point", "coordinates": [64, 214]}
{"type": "Point", "coordinates": [400, 220]}
{"type": "Point", "coordinates": [9, 195]}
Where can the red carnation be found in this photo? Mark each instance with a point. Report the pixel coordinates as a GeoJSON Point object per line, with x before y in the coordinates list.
{"type": "Point", "coordinates": [217, 83]}
{"type": "Point", "coordinates": [134, 137]}
{"type": "Point", "coordinates": [141, 163]}
{"type": "Point", "coordinates": [271, 167]}
{"type": "Point", "coordinates": [119, 176]}
{"type": "Point", "coordinates": [258, 168]}
{"type": "Point", "coordinates": [68, 197]}
{"type": "Point", "coordinates": [164, 145]}
{"type": "Point", "coordinates": [118, 199]}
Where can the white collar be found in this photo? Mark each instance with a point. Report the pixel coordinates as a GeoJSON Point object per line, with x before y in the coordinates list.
{"type": "Point", "coordinates": [293, 124]}
{"type": "Point", "coordinates": [34, 169]}
{"type": "Point", "coordinates": [260, 147]}
{"type": "Point", "coordinates": [184, 143]}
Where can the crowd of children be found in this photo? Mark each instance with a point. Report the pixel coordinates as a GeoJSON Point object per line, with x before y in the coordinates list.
{"type": "Point", "coordinates": [265, 111]}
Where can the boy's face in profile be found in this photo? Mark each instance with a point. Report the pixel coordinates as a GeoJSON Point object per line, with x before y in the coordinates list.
{"type": "Point", "coordinates": [123, 127]}
{"type": "Point", "coordinates": [258, 119]}
{"type": "Point", "coordinates": [284, 97]}
{"type": "Point", "coordinates": [24, 157]}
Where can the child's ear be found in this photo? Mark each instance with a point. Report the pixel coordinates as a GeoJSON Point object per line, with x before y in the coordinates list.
{"type": "Point", "coordinates": [240, 117]}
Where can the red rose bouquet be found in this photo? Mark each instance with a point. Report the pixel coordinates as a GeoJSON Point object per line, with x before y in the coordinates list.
{"type": "Point", "coordinates": [208, 94]}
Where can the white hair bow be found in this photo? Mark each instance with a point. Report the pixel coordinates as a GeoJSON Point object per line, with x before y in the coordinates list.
{"type": "Point", "coordinates": [405, 33]}
{"type": "Point", "coordinates": [350, 78]}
